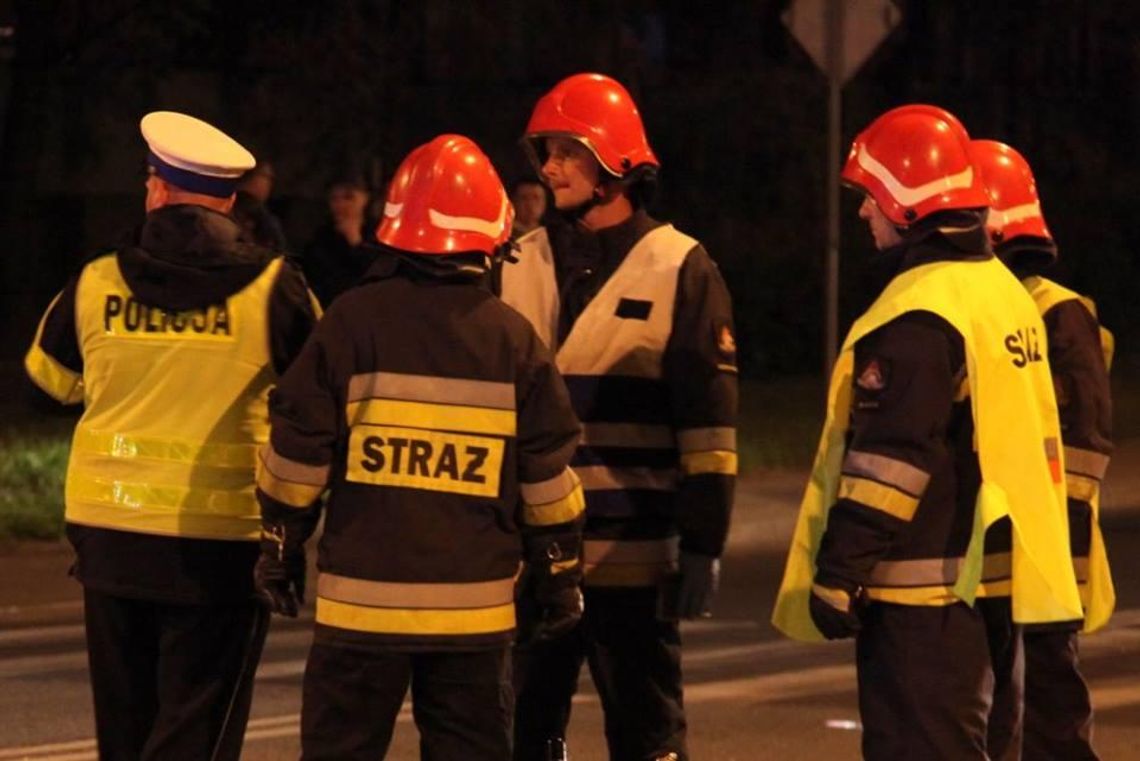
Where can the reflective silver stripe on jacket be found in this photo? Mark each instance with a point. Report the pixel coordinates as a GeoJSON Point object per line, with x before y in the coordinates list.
{"type": "Point", "coordinates": [388, 594]}
{"type": "Point", "coordinates": [550, 490]}
{"type": "Point", "coordinates": [635, 435]}
{"type": "Point", "coordinates": [1085, 462]}
{"type": "Point", "coordinates": [887, 470]}
{"type": "Point", "coordinates": [430, 388]}
{"type": "Point", "coordinates": [637, 552]}
{"type": "Point", "coordinates": [936, 571]}
{"type": "Point", "coordinates": [284, 469]}
{"type": "Point", "coordinates": [707, 439]}
{"type": "Point", "coordinates": [601, 477]}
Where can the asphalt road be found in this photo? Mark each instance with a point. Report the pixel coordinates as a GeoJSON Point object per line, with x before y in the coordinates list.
{"type": "Point", "coordinates": [750, 694]}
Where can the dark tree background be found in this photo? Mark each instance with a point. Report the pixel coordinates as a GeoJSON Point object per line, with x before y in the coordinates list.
{"type": "Point", "coordinates": [735, 110]}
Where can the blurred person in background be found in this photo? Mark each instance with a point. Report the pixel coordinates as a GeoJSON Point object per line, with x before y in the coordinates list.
{"type": "Point", "coordinates": [641, 324]}
{"type": "Point", "coordinates": [172, 344]}
{"type": "Point", "coordinates": [529, 198]}
{"type": "Point", "coordinates": [343, 248]}
{"type": "Point", "coordinates": [1058, 709]}
{"type": "Point", "coordinates": [259, 225]}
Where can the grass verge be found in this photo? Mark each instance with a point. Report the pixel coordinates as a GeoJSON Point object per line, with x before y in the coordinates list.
{"type": "Point", "coordinates": [33, 461]}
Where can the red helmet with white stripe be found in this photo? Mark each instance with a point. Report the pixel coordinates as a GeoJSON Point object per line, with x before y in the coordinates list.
{"type": "Point", "coordinates": [446, 198]}
{"type": "Point", "coordinates": [913, 161]}
{"type": "Point", "coordinates": [1015, 209]}
{"type": "Point", "coordinates": [598, 112]}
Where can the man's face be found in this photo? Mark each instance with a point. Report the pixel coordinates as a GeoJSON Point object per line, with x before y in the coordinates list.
{"type": "Point", "coordinates": [347, 202]}
{"type": "Point", "coordinates": [883, 230]}
{"type": "Point", "coordinates": [530, 203]}
{"type": "Point", "coordinates": [571, 171]}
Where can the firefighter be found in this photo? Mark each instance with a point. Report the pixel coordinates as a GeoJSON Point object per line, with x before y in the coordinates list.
{"type": "Point", "coordinates": [641, 324]}
{"type": "Point", "coordinates": [1058, 712]}
{"type": "Point", "coordinates": [172, 344]}
{"type": "Point", "coordinates": [439, 423]}
{"type": "Point", "coordinates": [933, 524]}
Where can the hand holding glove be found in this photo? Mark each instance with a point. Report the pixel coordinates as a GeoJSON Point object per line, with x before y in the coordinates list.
{"type": "Point", "coordinates": [550, 598]}
{"type": "Point", "coordinates": [835, 611]}
{"type": "Point", "coordinates": [279, 575]}
{"type": "Point", "coordinates": [697, 584]}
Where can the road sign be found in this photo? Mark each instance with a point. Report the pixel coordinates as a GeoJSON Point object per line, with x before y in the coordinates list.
{"type": "Point", "coordinates": [866, 23]}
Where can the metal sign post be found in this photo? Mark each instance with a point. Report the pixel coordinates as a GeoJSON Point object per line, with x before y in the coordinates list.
{"type": "Point", "coordinates": [839, 35]}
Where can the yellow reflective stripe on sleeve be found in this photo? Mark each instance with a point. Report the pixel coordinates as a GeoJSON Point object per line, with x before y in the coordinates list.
{"type": "Point", "coordinates": [411, 621]}
{"type": "Point", "coordinates": [1086, 462]}
{"type": "Point", "coordinates": [61, 384]}
{"type": "Point", "coordinates": [125, 446]}
{"type": "Point", "coordinates": [561, 510]}
{"type": "Point", "coordinates": [707, 439]}
{"type": "Point", "coordinates": [695, 463]}
{"type": "Point", "coordinates": [287, 492]}
{"type": "Point", "coordinates": [1081, 487]}
{"type": "Point", "coordinates": [886, 470]}
{"type": "Point", "coordinates": [439, 417]}
{"type": "Point", "coordinates": [878, 496]}
{"type": "Point", "coordinates": [919, 596]}
{"type": "Point", "coordinates": [431, 388]}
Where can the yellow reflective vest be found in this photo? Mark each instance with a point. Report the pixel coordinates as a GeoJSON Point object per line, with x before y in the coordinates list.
{"type": "Point", "coordinates": [1098, 594]}
{"type": "Point", "coordinates": [175, 410]}
{"type": "Point", "coordinates": [1016, 429]}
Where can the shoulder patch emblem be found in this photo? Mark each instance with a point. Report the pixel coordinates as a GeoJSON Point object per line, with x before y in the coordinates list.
{"type": "Point", "coordinates": [873, 377]}
{"type": "Point", "coordinates": [725, 341]}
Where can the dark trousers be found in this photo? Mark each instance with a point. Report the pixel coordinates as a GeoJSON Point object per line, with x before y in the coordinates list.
{"type": "Point", "coordinates": [941, 682]}
{"type": "Point", "coordinates": [635, 661]}
{"type": "Point", "coordinates": [1058, 711]}
{"type": "Point", "coordinates": [171, 682]}
{"type": "Point", "coordinates": [461, 701]}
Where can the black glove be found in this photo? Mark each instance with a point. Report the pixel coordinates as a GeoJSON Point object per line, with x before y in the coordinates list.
{"type": "Point", "coordinates": [835, 611]}
{"type": "Point", "coordinates": [697, 584]}
{"type": "Point", "coordinates": [549, 593]}
{"type": "Point", "coordinates": [279, 575]}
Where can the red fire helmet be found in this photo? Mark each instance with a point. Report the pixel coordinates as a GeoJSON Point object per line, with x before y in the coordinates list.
{"type": "Point", "coordinates": [446, 198]}
{"type": "Point", "coordinates": [915, 160]}
{"type": "Point", "coordinates": [1015, 209]}
{"type": "Point", "coordinates": [598, 112]}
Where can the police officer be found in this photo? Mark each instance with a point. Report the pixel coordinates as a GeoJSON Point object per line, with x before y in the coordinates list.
{"type": "Point", "coordinates": [440, 424]}
{"type": "Point", "coordinates": [941, 423]}
{"type": "Point", "coordinates": [641, 322]}
{"type": "Point", "coordinates": [1058, 712]}
{"type": "Point", "coordinates": [172, 345]}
